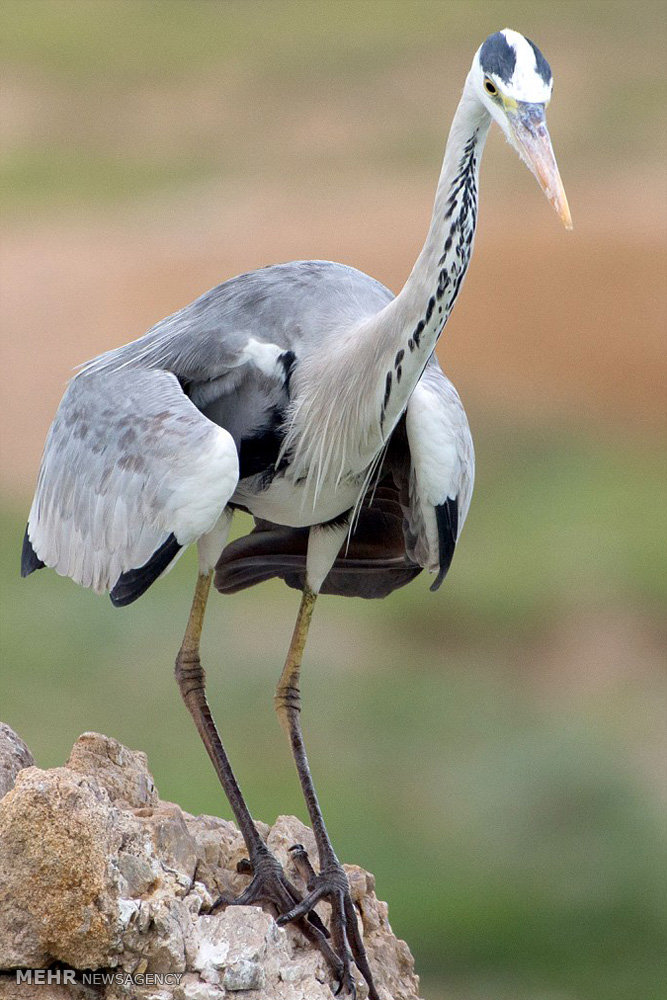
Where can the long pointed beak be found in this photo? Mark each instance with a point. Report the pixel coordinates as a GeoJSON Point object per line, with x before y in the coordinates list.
{"type": "Point", "coordinates": [531, 138]}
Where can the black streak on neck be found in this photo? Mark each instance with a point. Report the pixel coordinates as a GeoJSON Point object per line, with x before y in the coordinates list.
{"type": "Point", "coordinates": [463, 185]}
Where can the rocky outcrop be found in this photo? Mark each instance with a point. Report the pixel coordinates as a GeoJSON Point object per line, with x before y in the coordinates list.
{"type": "Point", "coordinates": [14, 755]}
{"type": "Point", "coordinates": [98, 875]}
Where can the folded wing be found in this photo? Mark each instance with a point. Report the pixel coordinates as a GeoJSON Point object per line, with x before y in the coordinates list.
{"type": "Point", "coordinates": [132, 472]}
{"type": "Point", "coordinates": [442, 469]}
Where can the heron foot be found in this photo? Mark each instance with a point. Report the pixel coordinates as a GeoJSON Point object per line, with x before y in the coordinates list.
{"type": "Point", "coordinates": [270, 884]}
{"type": "Point", "coordinates": [331, 884]}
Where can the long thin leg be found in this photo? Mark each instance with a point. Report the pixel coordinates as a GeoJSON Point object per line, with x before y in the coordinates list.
{"type": "Point", "coordinates": [269, 881]}
{"type": "Point", "coordinates": [288, 707]}
{"type": "Point", "coordinates": [331, 882]}
{"type": "Point", "coordinates": [191, 680]}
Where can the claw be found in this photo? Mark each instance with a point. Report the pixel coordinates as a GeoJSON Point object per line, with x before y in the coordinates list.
{"type": "Point", "coordinates": [351, 990]}
{"type": "Point", "coordinates": [269, 884]}
{"type": "Point", "coordinates": [332, 885]}
{"type": "Point", "coordinates": [357, 945]}
{"type": "Point", "coordinates": [302, 864]}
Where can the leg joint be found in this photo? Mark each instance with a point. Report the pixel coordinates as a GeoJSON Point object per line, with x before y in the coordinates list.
{"type": "Point", "coordinates": [287, 698]}
{"type": "Point", "coordinates": [190, 675]}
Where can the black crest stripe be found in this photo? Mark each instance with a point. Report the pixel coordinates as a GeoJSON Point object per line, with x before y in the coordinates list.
{"type": "Point", "coordinates": [541, 65]}
{"type": "Point", "coordinates": [498, 57]}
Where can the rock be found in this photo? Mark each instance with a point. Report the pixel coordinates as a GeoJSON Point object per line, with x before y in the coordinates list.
{"type": "Point", "coordinates": [57, 841]}
{"type": "Point", "coordinates": [123, 773]}
{"type": "Point", "coordinates": [99, 876]}
{"type": "Point", "coordinates": [244, 975]}
{"type": "Point", "coordinates": [14, 755]}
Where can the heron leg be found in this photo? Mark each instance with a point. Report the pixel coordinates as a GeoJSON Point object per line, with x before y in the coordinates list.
{"type": "Point", "coordinates": [331, 883]}
{"type": "Point", "coordinates": [269, 882]}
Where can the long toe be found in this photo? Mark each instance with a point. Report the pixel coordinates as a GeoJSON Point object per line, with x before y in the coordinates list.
{"type": "Point", "coordinates": [270, 884]}
{"type": "Point", "coordinates": [332, 885]}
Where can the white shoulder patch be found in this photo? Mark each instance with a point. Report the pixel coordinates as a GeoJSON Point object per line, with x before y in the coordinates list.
{"type": "Point", "coordinates": [263, 356]}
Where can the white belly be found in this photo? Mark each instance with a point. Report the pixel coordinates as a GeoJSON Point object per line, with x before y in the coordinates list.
{"type": "Point", "coordinates": [285, 502]}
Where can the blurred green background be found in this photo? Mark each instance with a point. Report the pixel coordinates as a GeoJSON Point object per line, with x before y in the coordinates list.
{"type": "Point", "coordinates": [494, 753]}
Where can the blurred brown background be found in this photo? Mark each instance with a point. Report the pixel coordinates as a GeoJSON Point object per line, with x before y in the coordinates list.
{"type": "Point", "coordinates": [510, 731]}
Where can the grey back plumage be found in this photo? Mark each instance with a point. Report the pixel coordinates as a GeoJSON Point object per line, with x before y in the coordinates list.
{"type": "Point", "coordinates": [294, 306]}
{"type": "Point", "coordinates": [225, 346]}
{"type": "Point", "coordinates": [137, 451]}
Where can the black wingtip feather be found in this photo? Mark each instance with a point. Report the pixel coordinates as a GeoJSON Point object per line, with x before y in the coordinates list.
{"type": "Point", "coordinates": [30, 561]}
{"type": "Point", "coordinates": [447, 517]}
{"type": "Point", "coordinates": [135, 582]}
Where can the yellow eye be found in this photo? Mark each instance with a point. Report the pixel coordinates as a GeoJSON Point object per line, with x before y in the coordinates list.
{"type": "Point", "coordinates": [490, 87]}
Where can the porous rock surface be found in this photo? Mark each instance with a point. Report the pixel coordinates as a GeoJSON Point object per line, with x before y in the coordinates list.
{"type": "Point", "coordinates": [14, 755]}
{"type": "Point", "coordinates": [97, 873]}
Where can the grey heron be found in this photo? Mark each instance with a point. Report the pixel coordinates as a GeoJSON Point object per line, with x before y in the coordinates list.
{"type": "Point", "coordinates": [309, 396]}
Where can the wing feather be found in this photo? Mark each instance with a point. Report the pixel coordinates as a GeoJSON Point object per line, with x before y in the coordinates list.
{"type": "Point", "coordinates": [442, 471]}
{"type": "Point", "coordinates": [252, 320]}
{"type": "Point", "coordinates": [129, 461]}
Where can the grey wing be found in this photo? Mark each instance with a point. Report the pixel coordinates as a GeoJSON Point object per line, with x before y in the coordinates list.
{"type": "Point", "coordinates": [136, 463]}
{"type": "Point", "coordinates": [295, 304]}
{"type": "Point", "coordinates": [129, 463]}
{"type": "Point", "coordinates": [234, 347]}
{"type": "Point", "coordinates": [442, 469]}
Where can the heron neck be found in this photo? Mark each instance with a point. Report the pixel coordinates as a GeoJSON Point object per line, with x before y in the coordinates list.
{"type": "Point", "coordinates": [407, 330]}
{"type": "Point", "coordinates": [349, 398]}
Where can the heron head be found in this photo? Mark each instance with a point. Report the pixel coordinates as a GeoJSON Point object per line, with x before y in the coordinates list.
{"type": "Point", "coordinates": [513, 81]}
